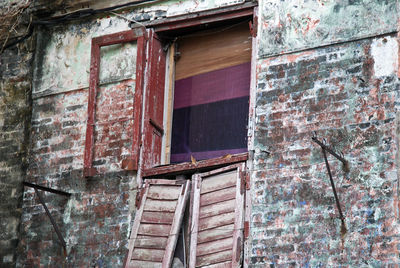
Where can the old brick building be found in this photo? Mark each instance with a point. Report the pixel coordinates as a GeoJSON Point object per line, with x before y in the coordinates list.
{"type": "Point", "coordinates": [181, 132]}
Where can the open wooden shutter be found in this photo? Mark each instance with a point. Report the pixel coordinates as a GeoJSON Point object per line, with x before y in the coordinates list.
{"type": "Point", "coordinates": [156, 226]}
{"type": "Point", "coordinates": [154, 108]}
{"type": "Point", "coordinates": [217, 218]}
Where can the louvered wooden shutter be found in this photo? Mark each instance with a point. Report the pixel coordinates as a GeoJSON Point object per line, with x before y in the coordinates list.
{"type": "Point", "coordinates": [154, 108]}
{"type": "Point", "coordinates": [156, 226]}
{"type": "Point", "coordinates": [217, 218]}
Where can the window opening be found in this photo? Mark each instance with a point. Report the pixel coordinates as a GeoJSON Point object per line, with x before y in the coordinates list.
{"type": "Point", "coordinates": [211, 93]}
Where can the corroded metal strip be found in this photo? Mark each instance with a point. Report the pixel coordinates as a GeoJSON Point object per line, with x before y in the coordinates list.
{"type": "Point", "coordinates": [53, 222]}
{"type": "Point", "coordinates": [43, 188]}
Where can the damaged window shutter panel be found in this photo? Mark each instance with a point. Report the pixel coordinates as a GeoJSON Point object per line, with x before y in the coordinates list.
{"type": "Point", "coordinates": [217, 218]}
{"type": "Point", "coordinates": [153, 121]}
{"type": "Point", "coordinates": [157, 221]}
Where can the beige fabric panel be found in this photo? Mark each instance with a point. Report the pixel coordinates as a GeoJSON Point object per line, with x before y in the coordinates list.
{"type": "Point", "coordinates": [212, 50]}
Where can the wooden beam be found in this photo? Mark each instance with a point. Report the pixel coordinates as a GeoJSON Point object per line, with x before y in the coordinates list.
{"type": "Point", "coordinates": [203, 17]}
{"type": "Point", "coordinates": [189, 167]}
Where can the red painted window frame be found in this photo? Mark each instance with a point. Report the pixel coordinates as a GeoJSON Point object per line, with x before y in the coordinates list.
{"type": "Point", "coordinates": [117, 38]}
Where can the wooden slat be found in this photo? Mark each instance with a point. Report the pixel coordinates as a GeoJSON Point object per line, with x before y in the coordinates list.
{"type": "Point", "coordinates": [217, 208]}
{"type": "Point", "coordinates": [143, 241]}
{"type": "Point", "coordinates": [239, 221]}
{"type": "Point", "coordinates": [164, 192]}
{"type": "Point", "coordinates": [214, 50]}
{"type": "Point", "coordinates": [214, 234]}
{"type": "Point", "coordinates": [154, 255]}
{"type": "Point", "coordinates": [214, 258]}
{"type": "Point", "coordinates": [154, 229]}
{"type": "Point", "coordinates": [218, 196]}
{"type": "Point", "coordinates": [169, 95]}
{"type": "Point", "coordinates": [214, 246]}
{"type": "Point", "coordinates": [176, 224]}
{"type": "Point", "coordinates": [160, 205]}
{"type": "Point", "coordinates": [216, 221]}
{"type": "Point", "coordinates": [227, 264]}
{"type": "Point", "coordinates": [144, 264]}
{"type": "Point", "coordinates": [157, 217]}
{"type": "Point", "coordinates": [219, 181]}
{"type": "Point", "coordinates": [194, 225]}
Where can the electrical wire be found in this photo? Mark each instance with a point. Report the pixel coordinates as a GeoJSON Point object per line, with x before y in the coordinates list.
{"type": "Point", "coordinates": [80, 14]}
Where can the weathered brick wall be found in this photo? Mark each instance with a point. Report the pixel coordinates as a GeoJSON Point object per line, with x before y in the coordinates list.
{"type": "Point", "coordinates": [348, 94]}
{"type": "Point", "coordinates": [343, 85]}
{"type": "Point", "coordinates": [95, 220]}
{"type": "Point", "coordinates": [15, 80]}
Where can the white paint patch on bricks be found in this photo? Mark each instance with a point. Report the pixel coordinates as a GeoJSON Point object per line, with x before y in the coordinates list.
{"type": "Point", "coordinates": [384, 52]}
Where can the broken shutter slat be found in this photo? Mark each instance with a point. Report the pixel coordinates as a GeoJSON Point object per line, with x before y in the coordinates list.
{"type": "Point", "coordinates": [156, 226]}
{"type": "Point", "coordinates": [217, 218]}
{"type": "Point", "coordinates": [176, 224]}
{"type": "Point", "coordinates": [154, 108]}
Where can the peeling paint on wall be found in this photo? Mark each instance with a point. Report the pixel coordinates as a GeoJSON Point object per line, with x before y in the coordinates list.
{"type": "Point", "coordinates": [63, 57]}
{"type": "Point", "coordinates": [117, 62]}
{"type": "Point", "coordinates": [287, 26]}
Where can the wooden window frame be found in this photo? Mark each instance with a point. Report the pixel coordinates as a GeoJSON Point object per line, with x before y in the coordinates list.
{"type": "Point", "coordinates": [130, 163]}
{"type": "Point", "coordinates": [199, 166]}
{"type": "Point", "coordinates": [175, 25]}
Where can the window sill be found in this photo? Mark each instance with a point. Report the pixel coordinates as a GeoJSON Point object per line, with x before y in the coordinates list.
{"type": "Point", "coordinates": [189, 167]}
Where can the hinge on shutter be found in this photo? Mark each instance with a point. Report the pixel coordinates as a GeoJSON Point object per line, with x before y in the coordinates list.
{"type": "Point", "coordinates": [253, 28]}
{"type": "Point", "coordinates": [245, 181]}
{"type": "Point", "coordinates": [247, 176]}
{"type": "Point", "coordinates": [139, 196]}
{"type": "Point", "coordinates": [246, 230]}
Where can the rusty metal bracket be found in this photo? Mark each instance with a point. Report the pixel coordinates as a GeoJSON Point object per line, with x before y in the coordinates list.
{"type": "Point", "coordinates": [53, 222]}
{"type": "Point", "coordinates": [329, 150]}
{"type": "Point", "coordinates": [43, 188]}
{"type": "Point", "coordinates": [325, 149]}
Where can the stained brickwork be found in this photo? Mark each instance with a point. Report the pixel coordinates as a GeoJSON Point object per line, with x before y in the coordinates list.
{"type": "Point", "coordinates": [336, 92]}
{"type": "Point", "coordinates": [15, 79]}
{"type": "Point", "coordinates": [95, 220]}
{"type": "Point", "coordinates": [113, 125]}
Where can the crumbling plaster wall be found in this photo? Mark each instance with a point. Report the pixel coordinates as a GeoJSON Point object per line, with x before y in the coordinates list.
{"type": "Point", "coordinates": [95, 221]}
{"type": "Point", "coordinates": [329, 67]}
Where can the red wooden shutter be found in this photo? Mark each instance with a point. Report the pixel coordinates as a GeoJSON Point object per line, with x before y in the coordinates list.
{"type": "Point", "coordinates": [154, 110]}
{"type": "Point", "coordinates": [217, 218]}
{"type": "Point", "coordinates": [156, 226]}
